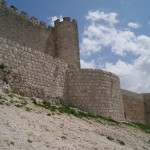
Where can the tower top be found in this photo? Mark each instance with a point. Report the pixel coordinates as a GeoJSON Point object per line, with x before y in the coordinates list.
{"type": "Point", "coordinates": [65, 19]}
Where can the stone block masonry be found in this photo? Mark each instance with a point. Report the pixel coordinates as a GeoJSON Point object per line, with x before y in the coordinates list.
{"type": "Point", "coordinates": [95, 91]}
{"type": "Point", "coordinates": [23, 31]}
{"type": "Point", "coordinates": [146, 97]}
{"type": "Point", "coordinates": [38, 74]}
{"type": "Point", "coordinates": [133, 106]}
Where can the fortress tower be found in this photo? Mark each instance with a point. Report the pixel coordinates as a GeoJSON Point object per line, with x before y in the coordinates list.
{"type": "Point", "coordinates": [67, 44]}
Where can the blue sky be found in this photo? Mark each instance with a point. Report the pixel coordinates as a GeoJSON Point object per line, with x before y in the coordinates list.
{"type": "Point", "coordinates": [114, 35]}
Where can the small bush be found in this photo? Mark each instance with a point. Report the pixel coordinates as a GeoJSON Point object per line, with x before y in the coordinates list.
{"type": "Point", "coordinates": [2, 66]}
{"type": "Point", "coordinates": [24, 102]}
{"type": "Point", "coordinates": [48, 114]}
{"type": "Point", "coordinates": [110, 138]}
{"type": "Point", "coordinates": [29, 141]}
{"type": "Point", "coordinates": [11, 95]}
{"type": "Point", "coordinates": [121, 142]}
{"type": "Point", "coordinates": [64, 137]}
{"type": "Point", "coordinates": [1, 103]}
{"type": "Point", "coordinates": [34, 101]}
{"type": "Point", "coordinates": [28, 109]}
{"type": "Point", "coordinates": [21, 93]}
{"type": "Point", "coordinates": [18, 105]}
{"type": "Point", "coordinates": [12, 142]}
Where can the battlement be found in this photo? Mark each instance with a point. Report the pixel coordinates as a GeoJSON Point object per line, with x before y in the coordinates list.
{"type": "Point", "coordinates": [23, 15]}
{"type": "Point", "coordinates": [65, 19]}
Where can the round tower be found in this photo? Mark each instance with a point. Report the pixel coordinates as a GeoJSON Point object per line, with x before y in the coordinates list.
{"type": "Point", "coordinates": [67, 44]}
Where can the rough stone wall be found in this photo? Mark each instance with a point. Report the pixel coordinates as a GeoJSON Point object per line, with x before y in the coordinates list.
{"type": "Point", "coordinates": [37, 74]}
{"type": "Point", "coordinates": [67, 45]}
{"type": "Point", "coordinates": [27, 32]}
{"type": "Point", "coordinates": [95, 91]}
{"type": "Point", "coordinates": [146, 97]}
{"type": "Point", "coordinates": [133, 106]}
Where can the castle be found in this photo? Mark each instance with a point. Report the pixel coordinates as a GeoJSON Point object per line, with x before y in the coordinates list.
{"type": "Point", "coordinates": [45, 63]}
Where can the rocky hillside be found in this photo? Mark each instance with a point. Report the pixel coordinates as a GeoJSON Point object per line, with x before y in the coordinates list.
{"type": "Point", "coordinates": [31, 124]}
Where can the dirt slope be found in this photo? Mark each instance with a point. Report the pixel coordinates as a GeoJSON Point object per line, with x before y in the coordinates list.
{"type": "Point", "coordinates": [24, 126]}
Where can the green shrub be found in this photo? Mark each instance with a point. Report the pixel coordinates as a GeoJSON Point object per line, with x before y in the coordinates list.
{"type": "Point", "coordinates": [2, 66]}
{"type": "Point", "coordinates": [142, 127]}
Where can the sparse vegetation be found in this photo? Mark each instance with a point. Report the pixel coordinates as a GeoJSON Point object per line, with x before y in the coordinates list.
{"type": "Point", "coordinates": [11, 95]}
{"type": "Point", "coordinates": [110, 138]}
{"type": "Point", "coordinates": [120, 142]}
{"type": "Point", "coordinates": [21, 93]}
{"type": "Point", "coordinates": [12, 142]}
{"type": "Point", "coordinates": [64, 137]}
{"type": "Point", "coordinates": [68, 110]}
{"type": "Point", "coordinates": [1, 103]}
{"type": "Point", "coordinates": [28, 109]}
{"type": "Point", "coordinates": [81, 114]}
{"type": "Point", "coordinates": [2, 66]}
{"type": "Point", "coordinates": [48, 114]}
{"type": "Point", "coordinates": [142, 127]}
{"type": "Point", "coordinates": [5, 72]}
{"type": "Point", "coordinates": [18, 105]}
{"type": "Point", "coordinates": [29, 141]}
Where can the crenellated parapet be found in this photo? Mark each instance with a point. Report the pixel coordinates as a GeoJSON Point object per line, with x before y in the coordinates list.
{"type": "Point", "coordinates": [22, 15]}
{"type": "Point", "coordinates": [27, 31]}
{"type": "Point", "coordinates": [34, 20]}
{"type": "Point", "coordinates": [3, 4]}
{"type": "Point", "coordinates": [65, 19]}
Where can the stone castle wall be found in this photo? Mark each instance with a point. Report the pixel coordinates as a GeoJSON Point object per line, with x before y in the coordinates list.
{"type": "Point", "coordinates": [146, 97]}
{"type": "Point", "coordinates": [32, 50]}
{"type": "Point", "coordinates": [60, 42]}
{"type": "Point", "coordinates": [37, 74]}
{"type": "Point", "coordinates": [95, 91]}
{"type": "Point", "coordinates": [133, 106]}
{"type": "Point", "coordinates": [26, 32]}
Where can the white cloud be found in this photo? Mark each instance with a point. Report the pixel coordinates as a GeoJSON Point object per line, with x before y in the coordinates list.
{"type": "Point", "coordinates": [134, 25]}
{"type": "Point", "coordinates": [52, 19]}
{"type": "Point", "coordinates": [98, 36]}
{"type": "Point", "coordinates": [89, 45]}
{"type": "Point", "coordinates": [134, 77]}
{"type": "Point", "coordinates": [98, 15]}
{"type": "Point", "coordinates": [90, 64]}
{"type": "Point", "coordinates": [120, 68]}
